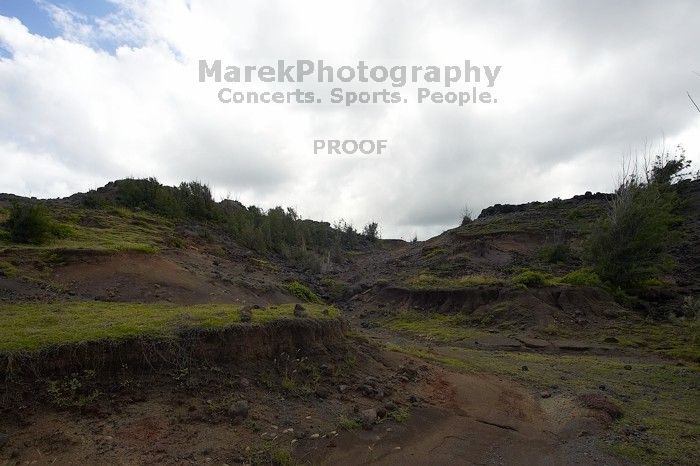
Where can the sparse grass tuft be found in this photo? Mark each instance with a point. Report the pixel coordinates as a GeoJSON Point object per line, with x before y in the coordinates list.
{"type": "Point", "coordinates": [7, 269]}
{"type": "Point", "coordinates": [349, 424]}
{"type": "Point", "coordinates": [400, 415]}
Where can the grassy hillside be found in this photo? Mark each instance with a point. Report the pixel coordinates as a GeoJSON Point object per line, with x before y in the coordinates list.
{"type": "Point", "coordinates": [27, 327]}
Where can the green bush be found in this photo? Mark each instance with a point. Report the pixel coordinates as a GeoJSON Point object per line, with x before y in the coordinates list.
{"type": "Point", "coordinates": [559, 253]}
{"type": "Point", "coordinates": [29, 223]}
{"type": "Point", "coordinates": [303, 292]}
{"type": "Point", "coordinates": [347, 423]}
{"type": "Point", "coordinates": [531, 278]}
{"type": "Point", "coordinates": [631, 244]}
{"type": "Point", "coordinates": [336, 289]}
{"type": "Point", "coordinates": [371, 231]}
{"type": "Point", "coordinates": [582, 277]}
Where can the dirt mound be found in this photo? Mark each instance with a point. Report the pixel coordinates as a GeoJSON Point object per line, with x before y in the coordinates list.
{"type": "Point", "coordinates": [182, 277]}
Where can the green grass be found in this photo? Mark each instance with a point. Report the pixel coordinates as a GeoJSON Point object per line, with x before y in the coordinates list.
{"type": "Point", "coordinates": [441, 327]}
{"type": "Point", "coordinates": [680, 340]}
{"type": "Point", "coordinates": [27, 327]}
{"type": "Point", "coordinates": [336, 289]}
{"type": "Point", "coordinates": [427, 281]}
{"type": "Point", "coordinates": [656, 394]}
{"type": "Point", "coordinates": [7, 269]}
{"type": "Point", "coordinates": [675, 340]}
{"type": "Point", "coordinates": [532, 278]}
{"type": "Point", "coordinates": [349, 424]}
{"type": "Point", "coordinates": [525, 277]}
{"type": "Point", "coordinates": [116, 229]}
{"type": "Point", "coordinates": [400, 415]}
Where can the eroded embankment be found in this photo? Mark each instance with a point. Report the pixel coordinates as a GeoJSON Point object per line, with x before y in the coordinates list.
{"type": "Point", "coordinates": [493, 304]}
{"type": "Point", "coordinates": [241, 344]}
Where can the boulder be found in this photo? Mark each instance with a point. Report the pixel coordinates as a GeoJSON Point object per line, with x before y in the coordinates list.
{"type": "Point", "coordinates": [368, 417]}
{"type": "Point", "coordinates": [299, 311]}
{"type": "Point", "coordinates": [239, 409]}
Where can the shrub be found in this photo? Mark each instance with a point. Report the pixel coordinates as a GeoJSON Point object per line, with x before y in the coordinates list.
{"type": "Point", "coordinates": [531, 278]}
{"type": "Point", "coordinates": [691, 307]}
{"type": "Point", "coordinates": [400, 415]}
{"type": "Point", "coordinates": [29, 223]}
{"type": "Point", "coordinates": [559, 253]}
{"type": "Point", "coordinates": [303, 293]}
{"type": "Point", "coordinates": [631, 243]}
{"type": "Point", "coordinates": [371, 231]}
{"type": "Point", "coordinates": [582, 277]}
{"type": "Point", "coordinates": [349, 424]}
{"type": "Point", "coordinates": [337, 290]}
{"type": "Point", "coordinates": [467, 216]}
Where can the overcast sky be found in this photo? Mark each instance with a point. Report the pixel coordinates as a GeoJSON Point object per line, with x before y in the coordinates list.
{"type": "Point", "coordinates": [92, 91]}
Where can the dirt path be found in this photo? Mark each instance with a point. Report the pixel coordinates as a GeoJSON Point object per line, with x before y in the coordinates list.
{"type": "Point", "coordinates": [483, 420]}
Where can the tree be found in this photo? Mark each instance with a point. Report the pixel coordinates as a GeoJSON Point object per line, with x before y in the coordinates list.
{"type": "Point", "coordinates": [466, 216]}
{"type": "Point", "coordinates": [631, 243]}
{"type": "Point", "coordinates": [371, 231]}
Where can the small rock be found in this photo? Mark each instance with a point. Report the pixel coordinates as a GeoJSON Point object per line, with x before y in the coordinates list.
{"type": "Point", "coordinates": [342, 388]}
{"type": "Point", "coordinates": [602, 387]}
{"type": "Point", "coordinates": [239, 409]}
{"type": "Point", "coordinates": [246, 314]}
{"type": "Point", "coordinates": [315, 436]}
{"type": "Point", "coordinates": [299, 311]}
{"type": "Point", "coordinates": [367, 390]}
{"type": "Point", "coordinates": [368, 416]}
{"type": "Point", "coordinates": [600, 402]}
{"type": "Point", "coordinates": [546, 395]}
{"type": "Point", "coordinates": [628, 367]}
{"type": "Point", "coordinates": [524, 368]}
{"type": "Point", "coordinates": [322, 392]}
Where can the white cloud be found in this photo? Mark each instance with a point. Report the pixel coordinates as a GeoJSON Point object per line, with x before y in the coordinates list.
{"type": "Point", "coordinates": [579, 86]}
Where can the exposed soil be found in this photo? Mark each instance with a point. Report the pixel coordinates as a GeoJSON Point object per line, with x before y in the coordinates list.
{"type": "Point", "coordinates": [169, 419]}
